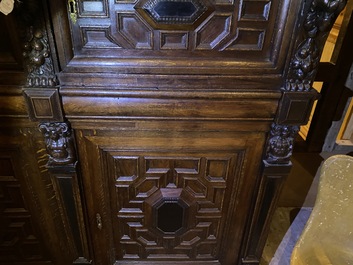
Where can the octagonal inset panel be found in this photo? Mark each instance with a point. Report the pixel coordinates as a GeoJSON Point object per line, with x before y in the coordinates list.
{"type": "Point", "coordinates": [171, 210]}
{"type": "Point", "coordinates": [180, 13]}
{"type": "Point", "coordinates": [170, 216]}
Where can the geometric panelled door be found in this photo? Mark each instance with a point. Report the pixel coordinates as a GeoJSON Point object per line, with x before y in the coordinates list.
{"type": "Point", "coordinates": [170, 205]}
{"type": "Point", "coordinates": [168, 202]}
{"type": "Point", "coordinates": [183, 217]}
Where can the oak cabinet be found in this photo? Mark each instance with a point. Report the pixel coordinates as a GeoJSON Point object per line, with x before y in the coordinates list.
{"type": "Point", "coordinates": [168, 126]}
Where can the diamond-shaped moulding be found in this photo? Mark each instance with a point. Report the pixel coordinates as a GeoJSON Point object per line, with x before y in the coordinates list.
{"type": "Point", "coordinates": [174, 14]}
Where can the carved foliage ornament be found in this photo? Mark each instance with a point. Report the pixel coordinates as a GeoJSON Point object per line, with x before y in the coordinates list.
{"type": "Point", "coordinates": [319, 20]}
{"type": "Point", "coordinates": [59, 143]}
{"type": "Point", "coordinates": [37, 59]}
{"type": "Point", "coordinates": [36, 51]}
{"type": "Point", "coordinates": [280, 143]}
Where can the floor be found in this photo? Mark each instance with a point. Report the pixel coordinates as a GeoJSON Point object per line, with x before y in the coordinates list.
{"type": "Point", "coordinates": [294, 208]}
{"type": "Point", "coordinates": [284, 233]}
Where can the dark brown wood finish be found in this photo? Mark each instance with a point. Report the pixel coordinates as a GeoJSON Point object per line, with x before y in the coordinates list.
{"type": "Point", "coordinates": [247, 35]}
{"type": "Point", "coordinates": [211, 171]}
{"type": "Point", "coordinates": [165, 128]}
{"type": "Point", "coordinates": [32, 230]}
{"type": "Point", "coordinates": [35, 223]}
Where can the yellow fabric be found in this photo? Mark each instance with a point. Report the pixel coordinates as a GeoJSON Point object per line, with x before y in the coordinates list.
{"type": "Point", "coordinates": [327, 238]}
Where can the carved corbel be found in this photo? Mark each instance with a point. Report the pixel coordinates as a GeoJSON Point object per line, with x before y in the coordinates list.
{"type": "Point", "coordinates": [280, 144]}
{"type": "Point", "coordinates": [59, 144]}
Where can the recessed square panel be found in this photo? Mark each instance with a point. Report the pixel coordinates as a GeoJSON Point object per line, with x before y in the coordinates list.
{"type": "Point", "coordinates": [42, 107]}
{"type": "Point", "coordinates": [174, 40]}
{"type": "Point", "coordinates": [255, 10]}
{"type": "Point", "coordinates": [295, 107]}
{"type": "Point", "coordinates": [43, 104]}
{"type": "Point", "coordinates": [248, 40]}
{"type": "Point", "coordinates": [93, 6]}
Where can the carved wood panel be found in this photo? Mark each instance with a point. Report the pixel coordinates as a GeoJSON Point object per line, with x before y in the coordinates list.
{"type": "Point", "coordinates": [18, 240]}
{"type": "Point", "coordinates": [223, 37]}
{"type": "Point", "coordinates": [156, 201]}
{"type": "Point", "coordinates": [223, 25]}
{"type": "Point", "coordinates": [201, 181]}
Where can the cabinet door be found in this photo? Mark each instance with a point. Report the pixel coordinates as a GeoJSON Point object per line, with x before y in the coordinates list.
{"type": "Point", "coordinates": [166, 197]}
{"type": "Point", "coordinates": [158, 36]}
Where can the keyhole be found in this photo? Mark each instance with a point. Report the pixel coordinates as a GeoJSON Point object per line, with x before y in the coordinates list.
{"type": "Point", "coordinates": [72, 7]}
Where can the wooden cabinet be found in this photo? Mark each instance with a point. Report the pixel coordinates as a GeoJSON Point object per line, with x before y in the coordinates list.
{"type": "Point", "coordinates": [168, 125]}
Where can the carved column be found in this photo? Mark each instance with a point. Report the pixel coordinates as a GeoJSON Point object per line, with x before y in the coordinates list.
{"type": "Point", "coordinates": [297, 100]}
{"type": "Point", "coordinates": [44, 106]}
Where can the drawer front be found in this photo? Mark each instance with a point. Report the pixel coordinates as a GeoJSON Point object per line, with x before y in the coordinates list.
{"type": "Point", "coordinates": [106, 104]}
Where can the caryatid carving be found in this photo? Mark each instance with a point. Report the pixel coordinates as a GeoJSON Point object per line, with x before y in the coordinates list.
{"type": "Point", "coordinates": [59, 143]}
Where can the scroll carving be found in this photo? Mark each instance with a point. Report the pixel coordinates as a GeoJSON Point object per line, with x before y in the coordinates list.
{"type": "Point", "coordinates": [280, 144]}
{"type": "Point", "coordinates": [59, 144]}
{"type": "Point", "coordinates": [317, 24]}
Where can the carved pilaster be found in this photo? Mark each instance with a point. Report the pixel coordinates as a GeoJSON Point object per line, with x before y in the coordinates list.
{"type": "Point", "coordinates": [298, 96]}
{"type": "Point", "coordinates": [318, 22]}
{"type": "Point", "coordinates": [41, 91]}
{"type": "Point", "coordinates": [61, 165]}
{"type": "Point", "coordinates": [44, 105]}
{"type": "Point", "coordinates": [294, 109]}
